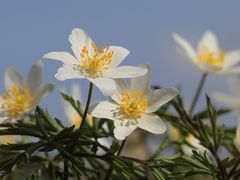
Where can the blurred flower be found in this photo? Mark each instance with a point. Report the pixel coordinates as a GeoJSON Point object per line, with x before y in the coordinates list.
{"type": "Point", "coordinates": [134, 106]}
{"type": "Point", "coordinates": [7, 139]}
{"type": "Point", "coordinates": [173, 133]}
{"type": "Point", "coordinates": [72, 115]}
{"type": "Point", "coordinates": [209, 57]}
{"type": "Point", "coordinates": [99, 67]}
{"type": "Point", "coordinates": [22, 96]}
{"type": "Point", "coordinates": [191, 142]}
{"type": "Point", "coordinates": [233, 101]}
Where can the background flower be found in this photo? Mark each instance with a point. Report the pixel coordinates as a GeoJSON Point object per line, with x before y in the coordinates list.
{"type": "Point", "coordinates": [72, 115]}
{"type": "Point", "coordinates": [232, 101]}
{"type": "Point", "coordinates": [208, 56]}
{"type": "Point", "coordinates": [22, 96]}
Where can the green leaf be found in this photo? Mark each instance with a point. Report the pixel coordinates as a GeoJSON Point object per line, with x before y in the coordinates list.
{"type": "Point", "coordinates": [204, 113]}
{"type": "Point", "coordinates": [40, 123]}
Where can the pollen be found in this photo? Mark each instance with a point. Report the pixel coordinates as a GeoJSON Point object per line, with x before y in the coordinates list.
{"type": "Point", "coordinates": [97, 63]}
{"type": "Point", "coordinates": [133, 104]}
{"type": "Point", "coordinates": [16, 101]}
{"type": "Point", "coordinates": [215, 59]}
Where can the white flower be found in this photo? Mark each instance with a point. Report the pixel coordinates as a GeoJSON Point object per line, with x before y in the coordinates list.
{"type": "Point", "coordinates": [22, 96]}
{"type": "Point", "coordinates": [134, 106]}
{"type": "Point", "coordinates": [99, 67]}
{"type": "Point", "coordinates": [208, 56]}
{"type": "Point", "coordinates": [194, 144]}
{"type": "Point", "coordinates": [233, 101]}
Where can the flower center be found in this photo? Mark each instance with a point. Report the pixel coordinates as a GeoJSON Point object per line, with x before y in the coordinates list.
{"type": "Point", "coordinates": [97, 63]}
{"type": "Point", "coordinates": [76, 120]}
{"type": "Point", "coordinates": [133, 104]}
{"type": "Point", "coordinates": [7, 139]}
{"type": "Point", "coordinates": [215, 59]}
{"type": "Point", "coordinates": [16, 101]}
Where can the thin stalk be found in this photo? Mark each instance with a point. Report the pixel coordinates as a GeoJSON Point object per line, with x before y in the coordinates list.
{"type": "Point", "coordinates": [221, 166]}
{"type": "Point", "coordinates": [230, 174]}
{"type": "Point", "coordinates": [109, 173]}
{"type": "Point", "coordinates": [84, 117]}
{"type": "Point", "coordinates": [198, 92]}
{"type": "Point", "coordinates": [65, 173]}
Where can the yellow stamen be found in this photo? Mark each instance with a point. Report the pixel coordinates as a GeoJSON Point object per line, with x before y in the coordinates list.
{"type": "Point", "coordinates": [99, 62]}
{"type": "Point", "coordinates": [215, 59]}
{"type": "Point", "coordinates": [133, 104]}
{"type": "Point", "coordinates": [16, 101]}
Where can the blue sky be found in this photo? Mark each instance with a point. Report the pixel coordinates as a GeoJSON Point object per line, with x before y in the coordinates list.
{"type": "Point", "coordinates": [29, 29]}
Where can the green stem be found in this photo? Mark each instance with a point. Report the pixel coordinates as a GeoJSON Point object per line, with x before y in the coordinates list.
{"type": "Point", "coordinates": [199, 89]}
{"type": "Point", "coordinates": [84, 117]}
{"type": "Point", "coordinates": [65, 173]}
{"type": "Point", "coordinates": [233, 169]}
{"type": "Point", "coordinates": [109, 173]}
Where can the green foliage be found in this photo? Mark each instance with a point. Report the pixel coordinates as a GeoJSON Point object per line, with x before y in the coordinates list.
{"type": "Point", "coordinates": [45, 146]}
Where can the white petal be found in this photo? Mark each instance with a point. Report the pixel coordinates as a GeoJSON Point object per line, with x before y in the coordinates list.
{"type": "Point", "coordinates": [12, 77]}
{"type": "Point", "coordinates": [208, 68]}
{"type": "Point", "coordinates": [186, 46]}
{"type": "Point", "coordinates": [35, 76]}
{"type": "Point", "coordinates": [121, 132]}
{"type": "Point", "coordinates": [231, 58]}
{"type": "Point", "coordinates": [233, 70]}
{"type": "Point", "coordinates": [42, 92]}
{"type": "Point", "coordinates": [106, 86]}
{"type": "Point", "coordinates": [119, 55]}
{"type": "Point", "coordinates": [142, 83]}
{"type": "Point", "coordinates": [231, 101]}
{"type": "Point", "coordinates": [122, 86]}
{"type": "Point", "coordinates": [104, 109]}
{"type": "Point", "coordinates": [64, 57]}
{"type": "Point", "coordinates": [187, 150]}
{"type": "Point", "coordinates": [160, 97]}
{"type": "Point", "coordinates": [67, 72]}
{"type": "Point", "coordinates": [237, 137]}
{"type": "Point", "coordinates": [152, 123]}
{"type": "Point", "coordinates": [124, 72]}
{"type": "Point", "coordinates": [209, 40]}
{"type": "Point", "coordinates": [78, 39]}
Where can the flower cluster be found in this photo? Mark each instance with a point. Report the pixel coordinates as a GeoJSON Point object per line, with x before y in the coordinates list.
{"type": "Point", "coordinates": [134, 102]}
{"type": "Point", "coordinates": [92, 142]}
